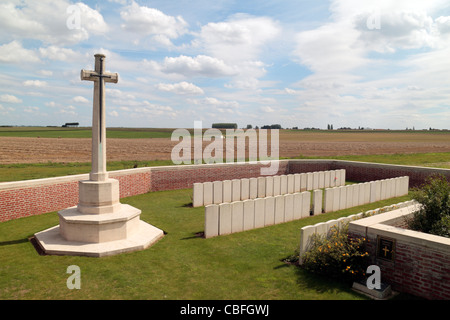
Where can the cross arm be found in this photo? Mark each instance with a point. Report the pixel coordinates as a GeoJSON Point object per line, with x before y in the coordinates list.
{"type": "Point", "coordinates": [93, 76]}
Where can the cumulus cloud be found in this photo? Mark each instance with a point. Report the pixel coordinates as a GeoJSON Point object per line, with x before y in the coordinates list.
{"type": "Point", "coordinates": [80, 99]}
{"type": "Point", "coordinates": [200, 65]}
{"type": "Point", "coordinates": [145, 21]}
{"type": "Point", "coordinates": [34, 83]}
{"type": "Point", "coordinates": [47, 21]}
{"type": "Point", "coordinates": [14, 52]}
{"type": "Point", "coordinates": [9, 98]}
{"type": "Point", "coordinates": [184, 88]}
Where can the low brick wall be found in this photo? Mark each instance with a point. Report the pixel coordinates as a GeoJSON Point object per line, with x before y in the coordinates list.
{"type": "Point", "coordinates": [32, 197]}
{"type": "Point", "coordinates": [420, 263]}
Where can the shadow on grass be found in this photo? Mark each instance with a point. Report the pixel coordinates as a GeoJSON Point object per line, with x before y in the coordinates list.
{"type": "Point", "coordinates": [10, 242]}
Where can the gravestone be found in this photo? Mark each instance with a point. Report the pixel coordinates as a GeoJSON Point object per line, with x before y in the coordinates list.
{"type": "Point", "coordinates": [99, 225]}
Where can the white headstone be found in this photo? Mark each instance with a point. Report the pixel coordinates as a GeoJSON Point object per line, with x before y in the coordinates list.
{"type": "Point", "coordinates": [279, 209]}
{"type": "Point", "coordinates": [207, 193]}
{"type": "Point", "coordinates": [321, 180]}
{"type": "Point", "coordinates": [260, 210]}
{"type": "Point", "coordinates": [224, 218]}
{"type": "Point", "coordinates": [297, 182]}
{"type": "Point", "coordinates": [309, 181]}
{"type": "Point", "coordinates": [253, 188]}
{"type": "Point", "coordinates": [211, 220]}
{"type": "Point", "coordinates": [306, 204]}
{"type": "Point", "coordinates": [218, 192]}
{"type": "Point", "coordinates": [269, 212]}
{"type": "Point", "coordinates": [261, 187]}
{"type": "Point", "coordinates": [298, 205]}
{"type": "Point", "coordinates": [328, 203]}
{"type": "Point", "coordinates": [197, 195]}
{"type": "Point", "coordinates": [283, 184]}
{"type": "Point", "coordinates": [235, 190]}
{"type": "Point", "coordinates": [336, 198]}
{"type": "Point", "coordinates": [303, 182]}
{"type": "Point", "coordinates": [288, 207]}
{"type": "Point", "coordinates": [269, 186]}
{"type": "Point", "coordinates": [237, 216]}
{"type": "Point", "coordinates": [326, 179]}
{"type": "Point", "coordinates": [245, 189]}
{"type": "Point", "coordinates": [342, 197]}
{"type": "Point", "coordinates": [290, 183]}
{"type": "Point", "coordinates": [317, 202]}
{"type": "Point", "coordinates": [249, 214]}
{"type": "Point", "coordinates": [276, 185]}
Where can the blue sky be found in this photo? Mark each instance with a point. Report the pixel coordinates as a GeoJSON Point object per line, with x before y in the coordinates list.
{"type": "Point", "coordinates": [350, 63]}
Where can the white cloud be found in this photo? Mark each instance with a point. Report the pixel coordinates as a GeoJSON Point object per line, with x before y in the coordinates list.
{"type": "Point", "coordinates": [80, 99]}
{"type": "Point", "coordinates": [31, 109]}
{"type": "Point", "coordinates": [60, 54]}
{"type": "Point", "coordinates": [181, 88]}
{"type": "Point", "coordinates": [145, 21]}
{"type": "Point", "coordinates": [47, 21]}
{"type": "Point", "coordinates": [241, 38]}
{"type": "Point", "coordinates": [9, 98]}
{"type": "Point", "coordinates": [200, 65]}
{"type": "Point", "coordinates": [34, 83]}
{"type": "Point", "coordinates": [113, 113]}
{"type": "Point", "coordinates": [14, 52]}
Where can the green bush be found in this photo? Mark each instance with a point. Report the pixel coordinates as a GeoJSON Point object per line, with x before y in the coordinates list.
{"type": "Point", "coordinates": [337, 256]}
{"type": "Point", "coordinates": [434, 215]}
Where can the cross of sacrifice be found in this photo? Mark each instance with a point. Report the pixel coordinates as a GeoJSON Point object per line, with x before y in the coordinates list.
{"type": "Point", "coordinates": [99, 76]}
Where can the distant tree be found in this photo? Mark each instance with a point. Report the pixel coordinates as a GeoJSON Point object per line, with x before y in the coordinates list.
{"type": "Point", "coordinates": [249, 126]}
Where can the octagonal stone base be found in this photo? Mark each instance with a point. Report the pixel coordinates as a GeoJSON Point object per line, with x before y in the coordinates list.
{"type": "Point", "coordinates": [52, 242]}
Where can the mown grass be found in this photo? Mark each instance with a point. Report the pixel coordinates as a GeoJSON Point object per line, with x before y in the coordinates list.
{"type": "Point", "coordinates": [181, 266]}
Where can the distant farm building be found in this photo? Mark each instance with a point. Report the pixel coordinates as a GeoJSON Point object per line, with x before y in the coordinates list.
{"type": "Point", "coordinates": [70, 125]}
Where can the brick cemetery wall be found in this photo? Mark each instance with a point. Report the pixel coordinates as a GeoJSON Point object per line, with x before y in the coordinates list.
{"type": "Point", "coordinates": [418, 263]}
{"type": "Point", "coordinates": [32, 197]}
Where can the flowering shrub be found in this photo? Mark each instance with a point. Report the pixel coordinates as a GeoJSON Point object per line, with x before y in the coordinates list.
{"type": "Point", "coordinates": [337, 256]}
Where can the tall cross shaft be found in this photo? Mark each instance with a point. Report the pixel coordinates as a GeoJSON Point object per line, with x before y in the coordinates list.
{"type": "Point", "coordinates": [99, 76]}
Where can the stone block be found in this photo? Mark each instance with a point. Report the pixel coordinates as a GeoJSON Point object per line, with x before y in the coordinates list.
{"type": "Point", "coordinates": [269, 186]}
{"type": "Point", "coordinates": [245, 189]}
{"type": "Point", "coordinates": [237, 216]}
{"type": "Point", "coordinates": [226, 191]}
{"type": "Point", "coordinates": [218, 192]}
{"type": "Point", "coordinates": [249, 214]}
{"type": "Point", "coordinates": [261, 187]}
{"type": "Point", "coordinates": [367, 193]}
{"type": "Point", "coordinates": [297, 206]}
{"type": "Point", "coordinates": [317, 201]}
{"type": "Point", "coordinates": [290, 183]}
{"type": "Point", "coordinates": [260, 211]}
{"type": "Point", "coordinates": [315, 180]}
{"type": "Point", "coordinates": [305, 239]}
{"type": "Point", "coordinates": [332, 178]}
{"type": "Point", "coordinates": [279, 209]}
{"type": "Point", "coordinates": [224, 218]}
{"type": "Point", "coordinates": [342, 177]}
{"type": "Point", "coordinates": [342, 197]}
{"type": "Point", "coordinates": [283, 184]}
{"type": "Point", "coordinates": [98, 197]}
{"type": "Point", "coordinates": [321, 180]}
{"type": "Point", "coordinates": [321, 228]}
{"type": "Point", "coordinates": [336, 198]}
{"type": "Point", "coordinates": [306, 204]}
{"type": "Point", "coordinates": [349, 196]}
{"type": "Point", "coordinates": [235, 190]}
{"type": "Point", "coordinates": [383, 189]}
{"type": "Point", "coordinates": [276, 185]}
{"type": "Point", "coordinates": [326, 183]}
{"type": "Point", "coordinates": [337, 174]}
{"type": "Point", "coordinates": [397, 186]}
{"type": "Point", "coordinates": [197, 195]}
{"type": "Point", "coordinates": [309, 181]}
{"type": "Point", "coordinates": [253, 194]}
{"type": "Point", "coordinates": [303, 181]}
{"type": "Point", "coordinates": [332, 225]}
{"type": "Point", "coordinates": [297, 182]}
{"type": "Point", "coordinates": [288, 207]}
{"type": "Point", "coordinates": [328, 199]}
{"type": "Point", "coordinates": [211, 220]}
{"type": "Point", "coordinates": [207, 193]}
{"type": "Point", "coordinates": [269, 211]}
{"type": "Point", "coordinates": [355, 194]}
{"type": "Point", "coordinates": [373, 190]}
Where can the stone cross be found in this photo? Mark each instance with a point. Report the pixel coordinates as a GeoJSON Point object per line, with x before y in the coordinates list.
{"type": "Point", "coordinates": [99, 76]}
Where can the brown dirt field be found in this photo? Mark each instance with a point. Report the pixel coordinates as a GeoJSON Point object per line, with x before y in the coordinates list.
{"type": "Point", "coordinates": [39, 150]}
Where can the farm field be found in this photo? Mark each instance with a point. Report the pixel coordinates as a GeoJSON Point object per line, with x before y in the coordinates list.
{"type": "Point", "coordinates": [43, 145]}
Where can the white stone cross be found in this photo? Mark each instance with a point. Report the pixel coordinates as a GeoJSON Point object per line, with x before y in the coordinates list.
{"type": "Point", "coordinates": [99, 76]}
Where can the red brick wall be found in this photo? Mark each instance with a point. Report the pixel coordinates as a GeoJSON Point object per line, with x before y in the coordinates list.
{"type": "Point", "coordinates": [30, 200]}
{"type": "Point", "coordinates": [417, 270]}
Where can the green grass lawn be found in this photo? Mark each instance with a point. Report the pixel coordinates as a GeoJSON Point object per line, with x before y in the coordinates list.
{"type": "Point", "coordinates": [181, 266]}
